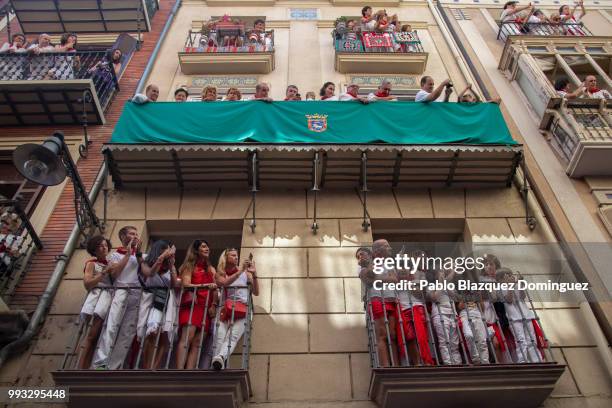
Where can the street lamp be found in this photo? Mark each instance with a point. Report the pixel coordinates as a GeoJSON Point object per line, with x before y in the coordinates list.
{"type": "Point", "coordinates": [48, 164]}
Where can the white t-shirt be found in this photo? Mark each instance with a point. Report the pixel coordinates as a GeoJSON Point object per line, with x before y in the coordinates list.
{"type": "Point", "coordinates": [517, 309]}
{"type": "Point", "coordinates": [240, 295]}
{"type": "Point", "coordinates": [601, 94]}
{"type": "Point", "coordinates": [129, 274]}
{"type": "Point", "coordinates": [562, 94]}
{"type": "Point", "coordinates": [408, 299]}
{"type": "Point", "coordinates": [386, 293]}
{"type": "Point", "coordinates": [421, 96]}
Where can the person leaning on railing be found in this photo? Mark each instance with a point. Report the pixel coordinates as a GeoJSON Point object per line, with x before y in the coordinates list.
{"type": "Point", "coordinates": [10, 241]}
{"type": "Point", "coordinates": [493, 310]}
{"type": "Point", "coordinates": [14, 68]}
{"type": "Point", "coordinates": [563, 89]}
{"type": "Point", "coordinates": [157, 311]}
{"type": "Point", "coordinates": [383, 93]}
{"type": "Point", "coordinates": [512, 19]}
{"type": "Point", "coordinates": [197, 304]}
{"type": "Point", "coordinates": [116, 339]}
{"type": "Point", "coordinates": [209, 93]}
{"type": "Point", "coordinates": [41, 64]}
{"type": "Point", "coordinates": [474, 330]}
{"type": "Point", "coordinates": [573, 22]}
{"type": "Point", "coordinates": [444, 318]}
{"type": "Point", "coordinates": [382, 305]}
{"type": "Point", "coordinates": [151, 94]}
{"type": "Point", "coordinates": [262, 90]}
{"type": "Point", "coordinates": [235, 303]}
{"type": "Point", "coordinates": [592, 91]}
{"type": "Point", "coordinates": [97, 281]}
{"type": "Point", "coordinates": [233, 94]}
{"type": "Point", "coordinates": [368, 23]}
{"type": "Point", "coordinates": [525, 329]}
{"type": "Point", "coordinates": [65, 65]}
{"type": "Point", "coordinates": [430, 93]}
{"type": "Point", "coordinates": [181, 94]}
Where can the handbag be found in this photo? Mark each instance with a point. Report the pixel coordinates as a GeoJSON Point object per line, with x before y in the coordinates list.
{"type": "Point", "coordinates": [240, 310]}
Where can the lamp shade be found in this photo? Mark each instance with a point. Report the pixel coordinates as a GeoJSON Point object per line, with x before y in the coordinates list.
{"type": "Point", "coordinates": [41, 164]}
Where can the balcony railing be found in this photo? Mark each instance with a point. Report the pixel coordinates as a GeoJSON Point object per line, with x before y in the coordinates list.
{"type": "Point", "coordinates": [433, 347]}
{"type": "Point", "coordinates": [228, 50]}
{"type": "Point", "coordinates": [545, 29]}
{"type": "Point", "coordinates": [398, 42]}
{"type": "Point", "coordinates": [48, 88]}
{"type": "Point", "coordinates": [18, 242]}
{"type": "Point", "coordinates": [162, 350]}
{"type": "Point", "coordinates": [240, 41]}
{"type": "Point", "coordinates": [380, 53]}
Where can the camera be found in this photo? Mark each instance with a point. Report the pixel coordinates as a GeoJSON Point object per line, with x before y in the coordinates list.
{"type": "Point", "coordinates": [449, 85]}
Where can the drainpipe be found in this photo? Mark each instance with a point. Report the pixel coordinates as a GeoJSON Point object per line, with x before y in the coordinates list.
{"type": "Point", "coordinates": [62, 260]}
{"type": "Point", "coordinates": [56, 278]}
{"type": "Point", "coordinates": [454, 43]}
{"type": "Point", "coordinates": [162, 36]}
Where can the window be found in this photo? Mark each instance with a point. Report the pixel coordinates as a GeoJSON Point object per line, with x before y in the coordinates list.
{"type": "Point", "coordinates": [13, 186]}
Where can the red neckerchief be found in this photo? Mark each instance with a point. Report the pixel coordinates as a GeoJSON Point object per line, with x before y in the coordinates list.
{"type": "Point", "coordinates": [231, 271]}
{"type": "Point", "coordinates": [354, 95]}
{"type": "Point", "coordinates": [95, 260]}
{"type": "Point", "coordinates": [123, 251]}
{"type": "Point", "coordinates": [381, 94]}
{"type": "Point", "coordinates": [594, 90]}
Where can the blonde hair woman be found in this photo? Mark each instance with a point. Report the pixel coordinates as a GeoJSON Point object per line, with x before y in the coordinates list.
{"type": "Point", "coordinates": [198, 302]}
{"type": "Point", "coordinates": [233, 94]}
{"type": "Point", "coordinates": [209, 94]}
{"type": "Point", "coordinates": [235, 303]}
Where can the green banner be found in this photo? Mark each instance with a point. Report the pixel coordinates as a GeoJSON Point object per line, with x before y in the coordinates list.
{"type": "Point", "coordinates": [312, 122]}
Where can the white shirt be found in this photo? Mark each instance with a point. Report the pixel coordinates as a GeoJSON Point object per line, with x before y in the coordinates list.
{"type": "Point", "coordinates": [517, 309]}
{"type": "Point", "coordinates": [140, 99]}
{"type": "Point", "coordinates": [421, 96]}
{"type": "Point", "coordinates": [129, 274]}
{"type": "Point", "coordinates": [601, 94]}
{"type": "Point", "coordinates": [342, 98]}
{"type": "Point", "coordinates": [241, 295]}
{"type": "Point", "coordinates": [562, 94]}
{"type": "Point", "coordinates": [6, 47]}
{"type": "Point", "coordinates": [386, 293]}
{"type": "Point", "coordinates": [409, 299]}
{"type": "Point", "coordinates": [489, 310]}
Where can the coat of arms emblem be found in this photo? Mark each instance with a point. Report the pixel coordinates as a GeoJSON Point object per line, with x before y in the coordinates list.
{"type": "Point", "coordinates": [317, 123]}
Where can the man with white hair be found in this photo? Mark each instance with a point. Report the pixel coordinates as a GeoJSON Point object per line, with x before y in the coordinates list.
{"type": "Point", "coordinates": [383, 93]}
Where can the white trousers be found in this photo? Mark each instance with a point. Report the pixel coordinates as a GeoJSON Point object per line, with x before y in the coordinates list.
{"type": "Point", "coordinates": [526, 342]}
{"type": "Point", "coordinates": [119, 330]}
{"type": "Point", "coordinates": [225, 342]}
{"type": "Point", "coordinates": [448, 338]}
{"type": "Point", "coordinates": [475, 333]}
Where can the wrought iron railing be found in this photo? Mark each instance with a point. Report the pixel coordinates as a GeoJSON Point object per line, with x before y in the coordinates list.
{"type": "Point", "coordinates": [152, 6]}
{"type": "Point", "coordinates": [240, 41]}
{"type": "Point", "coordinates": [18, 242]}
{"type": "Point", "coordinates": [451, 329]}
{"type": "Point", "coordinates": [395, 42]}
{"type": "Point", "coordinates": [61, 66]}
{"type": "Point", "coordinates": [161, 342]}
{"type": "Point", "coordinates": [544, 29]}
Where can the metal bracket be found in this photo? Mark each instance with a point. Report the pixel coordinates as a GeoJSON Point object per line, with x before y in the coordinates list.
{"type": "Point", "coordinates": [529, 219]}
{"type": "Point", "coordinates": [315, 189]}
{"type": "Point", "coordinates": [365, 225]}
{"type": "Point", "coordinates": [84, 147]}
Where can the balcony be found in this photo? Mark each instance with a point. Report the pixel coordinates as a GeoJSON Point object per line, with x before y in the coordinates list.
{"type": "Point", "coordinates": [440, 368]}
{"type": "Point", "coordinates": [150, 375]}
{"type": "Point", "coordinates": [55, 88]}
{"type": "Point", "coordinates": [580, 128]}
{"type": "Point", "coordinates": [84, 16]}
{"type": "Point", "coordinates": [542, 29]}
{"type": "Point", "coordinates": [17, 244]}
{"type": "Point", "coordinates": [381, 53]}
{"type": "Point", "coordinates": [205, 52]}
{"type": "Point", "coordinates": [373, 3]}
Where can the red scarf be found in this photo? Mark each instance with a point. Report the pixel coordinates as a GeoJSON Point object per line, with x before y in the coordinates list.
{"type": "Point", "coordinates": [231, 271]}
{"type": "Point", "coordinates": [381, 94]}
{"type": "Point", "coordinates": [123, 251]}
{"type": "Point", "coordinates": [594, 90]}
{"type": "Point", "coordinates": [95, 260]}
{"type": "Point", "coordinates": [353, 94]}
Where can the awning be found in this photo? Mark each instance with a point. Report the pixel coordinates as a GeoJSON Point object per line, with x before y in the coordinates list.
{"type": "Point", "coordinates": [311, 144]}
{"type": "Point", "coordinates": [264, 166]}
{"type": "Point", "coordinates": [313, 122]}
{"type": "Point", "coordinates": [84, 16]}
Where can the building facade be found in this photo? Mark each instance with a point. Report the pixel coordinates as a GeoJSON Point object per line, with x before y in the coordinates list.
{"type": "Point", "coordinates": [309, 343]}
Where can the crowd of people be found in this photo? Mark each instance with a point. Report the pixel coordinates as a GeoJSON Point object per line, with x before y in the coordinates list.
{"type": "Point", "coordinates": [142, 311]}
{"type": "Point", "coordinates": [428, 93]}
{"type": "Point", "coordinates": [517, 20]}
{"type": "Point", "coordinates": [230, 34]}
{"type": "Point", "coordinates": [448, 327]}
{"type": "Point", "coordinates": [376, 32]}
{"type": "Point", "coordinates": [42, 60]}
{"type": "Point", "coordinates": [11, 241]}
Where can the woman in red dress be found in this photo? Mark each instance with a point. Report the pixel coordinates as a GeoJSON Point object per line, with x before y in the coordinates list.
{"type": "Point", "coordinates": [198, 301]}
